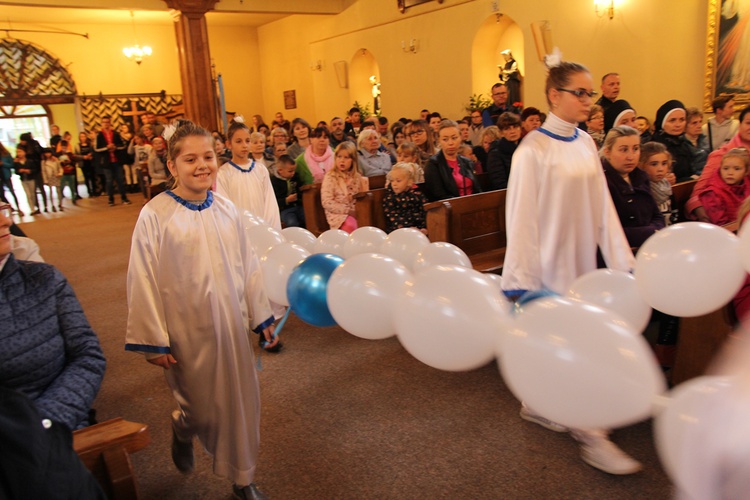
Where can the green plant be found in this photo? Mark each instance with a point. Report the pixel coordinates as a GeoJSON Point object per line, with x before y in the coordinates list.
{"type": "Point", "coordinates": [477, 103]}
{"type": "Point", "coordinates": [364, 110]}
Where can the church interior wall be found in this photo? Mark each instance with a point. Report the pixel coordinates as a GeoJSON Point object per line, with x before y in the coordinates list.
{"type": "Point", "coordinates": [657, 47]}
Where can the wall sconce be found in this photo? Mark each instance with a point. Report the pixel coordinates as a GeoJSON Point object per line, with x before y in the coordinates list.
{"type": "Point", "coordinates": [413, 46]}
{"type": "Point", "coordinates": [604, 7]}
{"type": "Point", "coordinates": [136, 52]}
{"type": "Point", "coordinates": [316, 65]}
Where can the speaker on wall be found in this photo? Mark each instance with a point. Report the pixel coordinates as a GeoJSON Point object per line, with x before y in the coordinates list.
{"type": "Point", "coordinates": [342, 74]}
{"type": "Point", "coordinates": [542, 32]}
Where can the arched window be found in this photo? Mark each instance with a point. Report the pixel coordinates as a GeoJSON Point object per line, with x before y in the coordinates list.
{"type": "Point", "coordinates": [30, 79]}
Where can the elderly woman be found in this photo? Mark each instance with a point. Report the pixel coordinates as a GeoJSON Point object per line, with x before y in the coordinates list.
{"type": "Point", "coordinates": [49, 352]}
{"type": "Point", "coordinates": [300, 137]}
{"type": "Point", "coordinates": [372, 161]}
{"type": "Point", "coordinates": [447, 174]}
{"type": "Point", "coordinates": [317, 158]}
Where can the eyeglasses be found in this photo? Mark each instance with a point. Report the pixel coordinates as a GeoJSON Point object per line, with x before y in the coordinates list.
{"type": "Point", "coordinates": [416, 132]}
{"type": "Point", "coordinates": [581, 94]}
{"type": "Point", "coordinates": [6, 211]}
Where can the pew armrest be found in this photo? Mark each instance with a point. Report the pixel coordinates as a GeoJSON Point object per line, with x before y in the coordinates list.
{"type": "Point", "coordinates": [105, 450]}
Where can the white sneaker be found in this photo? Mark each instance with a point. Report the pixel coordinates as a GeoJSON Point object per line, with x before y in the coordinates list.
{"type": "Point", "coordinates": [530, 416]}
{"type": "Point", "coordinates": [603, 454]}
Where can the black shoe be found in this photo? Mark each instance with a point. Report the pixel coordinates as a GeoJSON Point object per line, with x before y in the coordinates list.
{"type": "Point", "coordinates": [262, 343]}
{"type": "Point", "coordinates": [182, 454]}
{"type": "Point", "coordinates": [35, 212]}
{"type": "Point", "coordinates": [126, 202]}
{"type": "Point", "coordinates": [249, 492]}
{"type": "Point", "coordinates": [111, 203]}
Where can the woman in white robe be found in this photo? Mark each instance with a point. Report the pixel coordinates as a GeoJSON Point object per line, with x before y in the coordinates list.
{"type": "Point", "coordinates": [194, 292]}
{"type": "Point", "coordinates": [558, 211]}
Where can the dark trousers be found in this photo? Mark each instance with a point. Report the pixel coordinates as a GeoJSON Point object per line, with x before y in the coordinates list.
{"type": "Point", "coordinates": [293, 217]}
{"type": "Point", "coordinates": [113, 172]}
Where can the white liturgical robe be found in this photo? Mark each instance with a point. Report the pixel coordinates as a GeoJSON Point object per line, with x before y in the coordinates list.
{"type": "Point", "coordinates": [558, 210]}
{"type": "Point", "coordinates": [249, 187]}
{"type": "Point", "coordinates": [195, 291]}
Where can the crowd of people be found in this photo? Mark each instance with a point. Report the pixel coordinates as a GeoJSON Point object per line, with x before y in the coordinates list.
{"type": "Point", "coordinates": [591, 174]}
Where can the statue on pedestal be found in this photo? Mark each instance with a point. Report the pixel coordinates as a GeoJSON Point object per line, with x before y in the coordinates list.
{"type": "Point", "coordinates": [511, 77]}
{"type": "Point", "coordinates": [375, 94]}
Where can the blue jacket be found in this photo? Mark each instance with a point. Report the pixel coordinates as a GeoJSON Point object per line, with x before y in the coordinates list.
{"type": "Point", "coordinates": [48, 350]}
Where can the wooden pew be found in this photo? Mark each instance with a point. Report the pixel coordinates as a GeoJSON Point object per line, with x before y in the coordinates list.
{"type": "Point", "coordinates": [369, 208]}
{"type": "Point", "coordinates": [698, 342]}
{"type": "Point", "coordinates": [315, 216]}
{"type": "Point", "coordinates": [681, 193]}
{"type": "Point", "coordinates": [105, 450]}
{"type": "Point", "coordinates": [475, 224]}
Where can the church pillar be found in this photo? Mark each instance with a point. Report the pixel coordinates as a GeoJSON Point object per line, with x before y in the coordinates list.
{"type": "Point", "coordinates": [198, 90]}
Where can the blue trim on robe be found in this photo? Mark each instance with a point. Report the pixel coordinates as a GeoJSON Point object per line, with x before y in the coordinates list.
{"type": "Point", "coordinates": [259, 329]}
{"type": "Point", "coordinates": [193, 206]}
{"type": "Point", "coordinates": [148, 348]}
{"type": "Point", "coordinates": [245, 170]}
{"type": "Point", "coordinates": [559, 137]}
{"type": "Point", "coordinates": [514, 294]}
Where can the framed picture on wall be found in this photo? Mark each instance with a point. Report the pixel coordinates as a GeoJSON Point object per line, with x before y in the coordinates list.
{"type": "Point", "coordinates": [728, 52]}
{"type": "Point", "coordinates": [290, 99]}
{"type": "Point", "coordinates": [405, 4]}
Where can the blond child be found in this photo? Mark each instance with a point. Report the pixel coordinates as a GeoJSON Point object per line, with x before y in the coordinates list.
{"type": "Point", "coordinates": [245, 180]}
{"type": "Point", "coordinates": [408, 152]}
{"type": "Point", "coordinates": [194, 293]}
{"type": "Point", "coordinates": [340, 184]}
{"type": "Point", "coordinates": [51, 173]}
{"type": "Point", "coordinates": [656, 161]}
{"type": "Point", "coordinates": [727, 188]}
{"type": "Point", "coordinates": [403, 204]}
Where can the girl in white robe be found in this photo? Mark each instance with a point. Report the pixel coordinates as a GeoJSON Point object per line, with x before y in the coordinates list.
{"type": "Point", "coordinates": [194, 293]}
{"type": "Point", "coordinates": [246, 182]}
{"type": "Point", "coordinates": [558, 211]}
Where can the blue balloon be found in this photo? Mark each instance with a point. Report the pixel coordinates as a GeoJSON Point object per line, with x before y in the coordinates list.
{"type": "Point", "coordinates": [308, 286]}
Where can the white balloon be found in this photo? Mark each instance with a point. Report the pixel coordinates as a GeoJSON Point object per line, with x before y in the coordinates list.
{"type": "Point", "coordinates": [362, 293]}
{"type": "Point", "coordinates": [451, 318]}
{"type": "Point", "coordinates": [616, 291]}
{"type": "Point", "coordinates": [249, 220]}
{"type": "Point", "coordinates": [697, 432]}
{"type": "Point", "coordinates": [440, 253]}
{"type": "Point", "coordinates": [331, 241]}
{"type": "Point", "coordinates": [495, 280]}
{"type": "Point", "coordinates": [263, 238]}
{"type": "Point", "coordinates": [579, 365]}
{"type": "Point", "coordinates": [689, 269]}
{"type": "Point", "coordinates": [404, 244]}
{"type": "Point", "coordinates": [276, 265]}
{"type": "Point", "coordinates": [300, 236]}
{"type": "Point", "coordinates": [744, 235]}
{"type": "Point", "coordinates": [366, 239]}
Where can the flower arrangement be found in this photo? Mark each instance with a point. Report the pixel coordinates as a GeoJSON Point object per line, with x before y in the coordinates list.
{"type": "Point", "coordinates": [477, 102]}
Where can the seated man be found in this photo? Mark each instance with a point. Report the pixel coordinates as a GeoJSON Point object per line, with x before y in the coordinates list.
{"type": "Point", "coordinates": [48, 351]}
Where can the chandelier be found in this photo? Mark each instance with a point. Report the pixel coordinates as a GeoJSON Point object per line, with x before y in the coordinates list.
{"type": "Point", "coordinates": [136, 52]}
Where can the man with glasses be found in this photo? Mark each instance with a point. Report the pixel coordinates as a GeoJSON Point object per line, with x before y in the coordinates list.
{"type": "Point", "coordinates": [499, 105]}
{"type": "Point", "coordinates": [476, 128]}
{"type": "Point", "coordinates": [112, 147]}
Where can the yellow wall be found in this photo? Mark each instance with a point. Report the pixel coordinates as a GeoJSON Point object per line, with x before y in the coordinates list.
{"type": "Point", "coordinates": [64, 116]}
{"type": "Point", "coordinates": [235, 55]}
{"type": "Point", "coordinates": [657, 47]}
